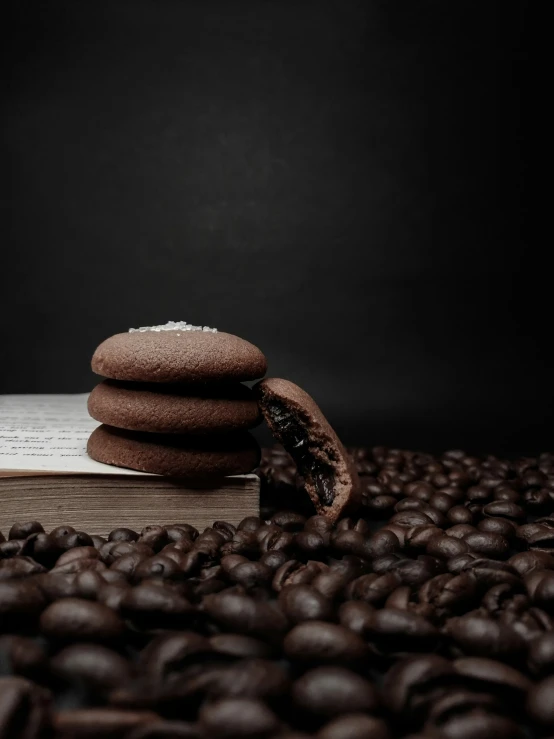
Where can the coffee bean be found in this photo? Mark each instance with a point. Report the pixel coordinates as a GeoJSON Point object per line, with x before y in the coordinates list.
{"type": "Point", "coordinates": [459, 515]}
{"type": "Point", "coordinates": [251, 575]}
{"type": "Point", "coordinates": [397, 630]}
{"type": "Point", "coordinates": [240, 646]}
{"type": "Point", "coordinates": [540, 703]}
{"type": "Point", "coordinates": [504, 509]}
{"type": "Point", "coordinates": [155, 605]}
{"type": "Point", "coordinates": [411, 678]}
{"type": "Point", "coordinates": [332, 691]}
{"type": "Point", "coordinates": [480, 724]}
{"type": "Point", "coordinates": [24, 709]}
{"type": "Point", "coordinates": [25, 657]}
{"type": "Point", "coordinates": [381, 543]}
{"type": "Point", "coordinates": [488, 544]}
{"type": "Point", "coordinates": [319, 641]}
{"type": "Point", "coordinates": [19, 567]}
{"type": "Point", "coordinates": [21, 602]}
{"type": "Point", "coordinates": [419, 537]}
{"type": "Point", "coordinates": [356, 616]}
{"type": "Point", "coordinates": [541, 654]}
{"type": "Point", "coordinates": [77, 619]}
{"type": "Point", "coordinates": [294, 572]}
{"type": "Point", "coordinates": [489, 572]}
{"type": "Point", "coordinates": [488, 674]}
{"type": "Point", "coordinates": [355, 726]}
{"type": "Point", "coordinates": [165, 730]}
{"type": "Point", "coordinates": [373, 588]}
{"type": "Point", "coordinates": [172, 652]}
{"type": "Point", "coordinates": [446, 547]}
{"type": "Point", "coordinates": [460, 530]}
{"type": "Point", "coordinates": [415, 572]}
{"type": "Point", "coordinates": [98, 723]}
{"type": "Point", "coordinates": [93, 665]}
{"type": "Point", "coordinates": [483, 637]}
{"type": "Point", "coordinates": [234, 718]}
{"type": "Point", "coordinates": [304, 603]}
{"type": "Point", "coordinates": [244, 615]}
{"type": "Point", "coordinates": [23, 530]}
{"type": "Point", "coordinates": [386, 562]}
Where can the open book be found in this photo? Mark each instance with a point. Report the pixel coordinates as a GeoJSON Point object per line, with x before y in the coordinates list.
{"type": "Point", "coordinates": [47, 476]}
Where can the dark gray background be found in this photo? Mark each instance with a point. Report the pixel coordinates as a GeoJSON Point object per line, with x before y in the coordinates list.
{"type": "Point", "coordinates": [340, 182]}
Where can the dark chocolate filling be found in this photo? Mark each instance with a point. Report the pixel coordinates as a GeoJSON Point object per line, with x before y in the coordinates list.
{"type": "Point", "coordinates": [296, 440]}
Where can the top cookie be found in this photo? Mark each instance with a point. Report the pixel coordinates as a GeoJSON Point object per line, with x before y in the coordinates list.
{"type": "Point", "coordinates": [178, 356]}
{"type": "Point", "coordinates": [297, 422]}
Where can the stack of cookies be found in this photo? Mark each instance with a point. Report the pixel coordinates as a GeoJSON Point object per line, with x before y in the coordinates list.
{"type": "Point", "coordinates": [173, 404]}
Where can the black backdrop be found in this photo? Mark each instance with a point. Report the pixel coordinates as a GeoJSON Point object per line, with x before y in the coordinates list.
{"type": "Point", "coordinates": [341, 182]}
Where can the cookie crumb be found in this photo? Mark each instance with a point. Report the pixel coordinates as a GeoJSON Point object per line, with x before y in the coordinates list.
{"type": "Point", "coordinates": [173, 326]}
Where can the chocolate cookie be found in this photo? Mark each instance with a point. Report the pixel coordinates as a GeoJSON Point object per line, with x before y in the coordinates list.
{"type": "Point", "coordinates": [174, 409]}
{"type": "Point", "coordinates": [178, 355]}
{"type": "Point", "coordinates": [297, 422]}
{"type": "Point", "coordinates": [178, 456]}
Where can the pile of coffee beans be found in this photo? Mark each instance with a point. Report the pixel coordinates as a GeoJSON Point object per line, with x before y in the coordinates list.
{"type": "Point", "coordinates": [428, 613]}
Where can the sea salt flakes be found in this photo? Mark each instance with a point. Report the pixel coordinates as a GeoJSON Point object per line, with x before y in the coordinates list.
{"type": "Point", "coordinates": [173, 326]}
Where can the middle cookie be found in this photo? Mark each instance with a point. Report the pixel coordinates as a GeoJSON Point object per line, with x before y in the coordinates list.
{"type": "Point", "coordinates": [174, 409]}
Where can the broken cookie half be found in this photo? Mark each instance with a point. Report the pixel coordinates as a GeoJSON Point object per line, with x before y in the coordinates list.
{"type": "Point", "coordinates": [298, 424]}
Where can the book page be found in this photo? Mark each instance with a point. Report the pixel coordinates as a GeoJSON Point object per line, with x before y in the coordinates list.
{"type": "Point", "coordinates": [42, 434]}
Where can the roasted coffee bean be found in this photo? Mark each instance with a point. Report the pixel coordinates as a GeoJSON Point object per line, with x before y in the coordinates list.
{"type": "Point", "coordinates": [446, 547]}
{"type": "Point", "coordinates": [386, 562]}
{"type": "Point", "coordinates": [310, 543]}
{"type": "Point", "coordinates": [240, 646]}
{"type": "Point", "coordinates": [333, 691]}
{"type": "Point", "coordinates": [541, 654]}
{"type": "Point", "coordinates": [400, 598]}
{"type": "Point", "coordinates": [414, 572]}
{"type": "Point", "coordinates": [460, 530]}
{"type": "Point", "coordinates": [274, 559]}
{"type": "Point", "coordinates": [23, 530]}
{"type": "Point", "coordinates": [314, 642]}
{"type": "Point", "coordinates": [459, 701]}
{"type": "Point", "coordinates": [77, 619]}
{"type": "Point", "coordinates": [249, 678]}
{"type": "Point", "coordinates": [99, 723]}
{"type": "Point", "coordinates": [459, 515]}
{"type": "Point", "coordinates": [158, 567]}
{"type": "Point", "coordinates": [411, 678]}
{"type": "Point", "coordinates": [19, 567]}
{"type": "Point", "coordinates": [489, 572]}
{"type": "Point", "coordinates": [244, 615]}
{"type": "Point", "coordinates": [250, 523]}
{"type": "Point", "coordinates": [24, 656]}
{"type": "Point", "coordinates": [251, 575]}
{"type": "Point", "coordinates": [232, 560]}
{"type": "Point", "coordinates": [504, 509]}
{"type": "Point", "coordinates": [21, 601]}
{"type": "Point", "coordinates": [74, 539]}
{"type": "Point", "coordinates": [454, 593]}
{"type": "Point", "coordinates": [540, 703]}
{"type": "Point", "coordinates": [293, 572]}
{"type": "Point", "coordinates": [289, 520]}
{"type": "Point", "coordinates": [501, 526]}
{"type": "Point", "coordinates": [480, 724]}
{"type": "Point", "coordinates": [24, 709]}
{"type": "Point", "coordinates": [330, 584]}
{"type": "Point", "coordinates": [355, 726]}
{"type": "Point", "coordinates": [487, 674]}
{"type": "Point", "coordinates": [488, 544]}
{"type": "Point", "coordinates": [397, 631]}
{"type": "Point", "coordinates": [170, 652]}
{"type": "Point", "coordinates": [356, 616]}
{"type": "Point", "coordinates": [123, 534]}
{"type": "Point", "coordinates": [483, 637]}
{"type": "Point", "coordinates": [78, 553]}
{"type": "Point", "coordinates": [98, 668]}
{"type": "Point", "coordinates": [305, 603]}
{"type": "Point", "coordinates": [234, 718]}
{"type": "Point", "coordinates": [416, 539]}
{"type": "Point", "coordinates": [155, 605]}
{"type": "Point", "coordinates": [380, 506]}
{"type": "Point", "coordinates": [165, 730]}
{"type": "Point", "coordinates": [320, 524]}
{"type": "Point", "coordinates": [374, 589]}
{"type": "Point", "coordinates": [11, 548]}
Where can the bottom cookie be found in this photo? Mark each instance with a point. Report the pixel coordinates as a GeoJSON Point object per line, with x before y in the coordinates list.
{"type": "Point", "coordinates": [174, 455]}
